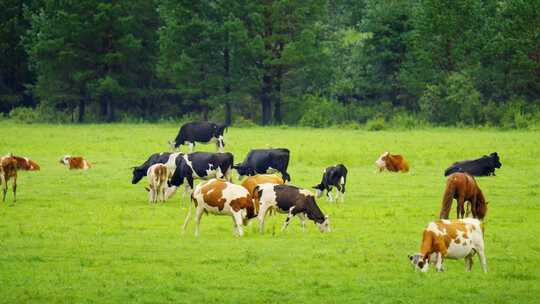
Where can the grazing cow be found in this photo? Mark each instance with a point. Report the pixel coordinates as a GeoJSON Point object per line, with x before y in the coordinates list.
{"type": "Point", "coordinates": [224, 198]}
{"type": "Point", "coordinates": [291, 200]}
{"type": "Point", "coordinates": [8, 170]}
{"type": "Point", "coordinates": [157, 158]}
{"type": "Point", "coordinates": [463, 187]}
{"type": "Point", "coordinates": [483, 166]}
{"type": "Point", "coordinates": [253, 181]}
{"type": "Point", "coordinates": [201, 165]}
{"type": "Point", "coordinates": [335, 176]}
{"type": "Point", "coordinates": [261, 161]}
{"type": "Point", "coordinates": [202, 132]}
{"type": "Point", "coordinates": [26, 164]}
{"type": "Point", "coordinates": [75, 162]}
{"type": "Point", "coordinates": [455, 239]}
{"type": "Point", "coordinates": [158, 174]}
{"type": "Point", "coordinates": [391, 162]}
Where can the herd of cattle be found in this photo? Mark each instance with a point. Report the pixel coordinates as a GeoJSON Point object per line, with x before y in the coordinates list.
{"type": "Point", "coordinates": [263, 191]}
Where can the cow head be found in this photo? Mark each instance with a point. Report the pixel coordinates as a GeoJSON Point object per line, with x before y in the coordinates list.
{"type": "Point", "coordinates": [172, 145]}
{"type": "Point", "coordinates": [495, 161]}
{"type": "Point", "coordinates": [325, 225]}
{"type": "Point", "coordinates": [32, 165]}
{"type": "Point", "coordinates": [419, 262]}
{"type": "Point", "coordinates": [219, 129]}
{"type": "Point", "coordinates": [318, 190]}
{"type": "Point", "coordinates": [65, 160]}
{"type": "Point", "coordinates": [242, 170]}
{"type": "Point", "coordinates": [138, 174]}
{"type": "Point", "coordinates": [381, 162]}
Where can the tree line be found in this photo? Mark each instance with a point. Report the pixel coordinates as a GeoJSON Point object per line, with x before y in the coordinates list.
{"type": "Point", "coordinates": [312, 62]}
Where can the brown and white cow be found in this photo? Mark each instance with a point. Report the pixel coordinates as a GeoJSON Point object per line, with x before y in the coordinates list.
{"type": "Point", "coordinates": [157, 174]}
{"type": "Point", "coordinates": [252, 181]}
{"type": "Point", "coordinates": [451, 239]}
{"type": "Point", "coordinates": [8, 170]}
{"type": "Point", "coordinates": [392, 162]}
{"type": "Point", "coordinates": [292, 201]}
{"type": "Point", "coordinates": [26, 164]}
{"type": "Point", "coordinates": [75, 162]}
{"type": "Point", "coordinates": [221, 197]}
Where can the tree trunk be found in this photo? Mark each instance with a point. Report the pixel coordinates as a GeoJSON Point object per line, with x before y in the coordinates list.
{"type": "Point", "coordinates": [227, 87]}
{"type": "Point", "coordinates": [266, 102]}
{"type": "Point", "coordinates": [110, 111]}
{"type": "Point", "coordinates": [266, 89]}
{"type": "Point", "coordinates": [82, 109]}
{"type": "Point", "coordinates": [277, 97]}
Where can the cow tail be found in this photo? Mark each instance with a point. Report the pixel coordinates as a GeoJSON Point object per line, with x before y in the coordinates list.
{"type": "Point", "coordinates": [447, 200]}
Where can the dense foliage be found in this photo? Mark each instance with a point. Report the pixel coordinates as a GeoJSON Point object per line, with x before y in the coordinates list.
{"type": "Point", "coordinates": [315, 63]}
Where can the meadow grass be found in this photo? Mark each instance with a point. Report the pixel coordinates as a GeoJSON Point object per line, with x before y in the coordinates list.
{"type": "Point", "coordinates": [92, 237]}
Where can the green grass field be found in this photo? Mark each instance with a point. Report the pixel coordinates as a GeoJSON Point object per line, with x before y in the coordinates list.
{"type": "Point", "coordinates": [92, 237]}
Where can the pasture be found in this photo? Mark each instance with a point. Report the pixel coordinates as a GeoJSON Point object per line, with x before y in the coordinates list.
{"type": "Point", "coordinates": [92, 237]}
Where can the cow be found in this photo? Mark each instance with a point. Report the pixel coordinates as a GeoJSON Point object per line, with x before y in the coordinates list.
{"type": "Point", "coordinates": [158, 174]}
{"type": "Point", "coordinates": [261, 161]}
{"type": "Point", "coordinates": [26, 164]}
{"type": "Point", "coordinates": [200, 131]}
{"type": "Point", "coordinates": [75, 162]}
{"type": "Point", "coordinates": [392, 163]}
{"type": "Point", "coordinates": [252, 181]}
{"type": "Point", "coordinates": [8, 170]}
{"type": "Point", "coordinates": [157, 158]}
{"type": "Point", "coordinates": [450, 239]}
{"type": "Point", "coordinates": [201, 165]}
{"type": "Point", "coordinates": [290, 200]}
{"type": "Point", "coordinates": [483, 166]}
{"type": "Point", "coordinates": [223, 198]}
{"type": "Point", "coordinates": [463, 187]}
{"type": "Point", "coordinates": [334, 176]}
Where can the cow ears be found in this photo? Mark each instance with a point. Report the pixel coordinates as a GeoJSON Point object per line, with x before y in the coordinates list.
{"type": "Point", "coordinates": [410, 257]}
{"type": "Point", "coordinates": [494, 154]}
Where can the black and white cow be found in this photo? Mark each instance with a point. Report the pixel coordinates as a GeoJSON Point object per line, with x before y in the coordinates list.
{"type": "Point", "coordinates": [201, 165]}
{"type": "Point", "coordinates": [483, 166]}
{"type": "Point", "coordinates": [335, 176]}
{"type": "Point", "coordinates": [199, 131]}
{"type": "Point", "coordinates": [157, 158]}
{"type": "Point", "coordinates": [263, 161]}
{"type": "Point", "coordinates": [291, 200]}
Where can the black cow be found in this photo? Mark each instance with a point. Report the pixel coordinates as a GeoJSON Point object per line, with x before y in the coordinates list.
{"type": "Point", "coordinates": [291, 200]}
{"type": "Point", "coordinates": [202, 165]}
{"type": "Point", "coordinates": [200, 131]}
{"type": "Point", "coordinates": [262, 161]}
{"type": "Point", "coordinates": [335, 176]}
{"type": "Point", "coordinates": [156, 158]}
{"type": "Point", "coordinates": [483, 166]}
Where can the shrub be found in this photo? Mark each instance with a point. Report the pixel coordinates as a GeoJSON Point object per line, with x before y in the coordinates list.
{"type": "Point", "coordinates": [242, 122]}
{"type": "Point", "coordinates": [404, 120]}
{"type": "Point", "coordinates": [376, 124]}
{"type": "Point", "coordinates": [24, 115]}
{"type": "Point", "coordinates": [321, 112]}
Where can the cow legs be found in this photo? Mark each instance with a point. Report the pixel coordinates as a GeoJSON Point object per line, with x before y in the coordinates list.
{"type": "Point", "coordinates": [4, 188]}
{"type": "Point", "coordinates": [302, 217]}
{"type": "Point", "coordinates": [482, 257]}
{"type": "Point", "coordinates": [262, 216]}
{"type": "Point", "coordinates": [15, 188]}
{"type": "Point", "coordinates": [469, 262]}
{"type": "Point", "coordinates": [439, 263]}
{"type": "Point", "coordinates": [460, 207]}
{"type": "Point", "coordinates": [289, 217]}
{"type": "Point", "coordinates": [191, 145]}
{"type": "Point", "coordinates": [198, 215]}
{"type": "Point", "coordinates": [188, 217]}
{"type": "Point", "coordinates": [329, 194]}
{"type": "Point", "coordinates": [237, 228]}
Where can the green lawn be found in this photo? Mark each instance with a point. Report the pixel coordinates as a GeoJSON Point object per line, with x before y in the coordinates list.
{"type": "Point", "coordinates": [92, 237]}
